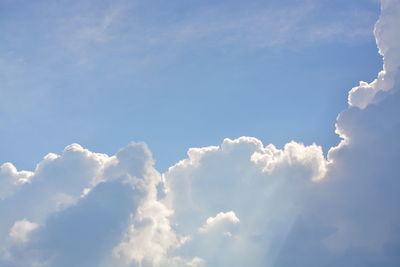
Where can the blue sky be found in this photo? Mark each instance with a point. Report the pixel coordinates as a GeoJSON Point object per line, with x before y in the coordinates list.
{"type": "Point", "coordinates": [177, 75]}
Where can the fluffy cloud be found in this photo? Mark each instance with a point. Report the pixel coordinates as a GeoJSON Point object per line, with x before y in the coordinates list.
{"type": "Point", "coordinates": [295, 207]}
{"type": "Point", "coordinates": [11, 179]}
{"type": "Point", "coordinates": [88, 209]}
{"type": "Point", "coordinates": [386, 32]}
{"type": "Point", "coordinates": [354, 218]}
{"type": "Point", "coordinates": [220, 220]}
{"type": "Point", "coordinates": [264, 186]}
{"type": "Point", "coordinates": [237, 204]}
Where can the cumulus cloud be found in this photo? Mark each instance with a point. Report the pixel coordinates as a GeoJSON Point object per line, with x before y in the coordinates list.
{"type": "Point", "coordinates": [297, 208]}
{"type": "Point", "coordinates": [88, 209]}
{"type": "Point", "coordinates": [219, 221]}
{"type": "Point", "coordinates": [241, 203]}
{"type": "Point", "coordinates": [386, 33]}
{"type": "Point", "coordinates": [354, 219]}
{"type": "Point", "coordinates": [82, 208]}
{"type": "Point", "coordinates": [264, 186]}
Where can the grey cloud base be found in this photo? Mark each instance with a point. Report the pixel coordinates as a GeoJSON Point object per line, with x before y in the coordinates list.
{"type": "Point", "coordinates": [237, 204]}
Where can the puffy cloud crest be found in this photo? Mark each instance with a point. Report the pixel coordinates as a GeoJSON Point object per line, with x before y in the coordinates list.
{"type": "Point", "coordinates": [386, 33]}
{"type": "Point", "coordinates": [220, 220]}
{"type": "Point", "coordinates": [11, 179]}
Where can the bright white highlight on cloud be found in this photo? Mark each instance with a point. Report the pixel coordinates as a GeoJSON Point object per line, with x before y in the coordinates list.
{"type": "Point", "coordinates": [293, 154]}
{"type": "Point", "coordinates": [221, 219]}
{"type": "Point", "coordinates": [11, 179]}
{"type": "Point", "coordinates": [386, 32]}
{"type": "Point", "coordinates": [237, 204]}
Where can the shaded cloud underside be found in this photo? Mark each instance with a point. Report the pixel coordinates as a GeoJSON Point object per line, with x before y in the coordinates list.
{"type": "Point", "coordinates": [237, 204]}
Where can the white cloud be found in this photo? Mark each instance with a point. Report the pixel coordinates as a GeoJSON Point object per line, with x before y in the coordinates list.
{"type": "Point", "coordinates": [89, 209]}
{"type": "Point", "coordinates": [149, 235]}
{"type": "Point", "coordinates": [267, 188]}
{"type": "Point", "coordinates": [386, 32]}
{"type": "Point", "coordinates": [219, 221]}
{"type": "Point", "coordinates": [21, 230]}
{"type": "Point", "coordinates": [11, 179]}
{"type": "Point", "coordinates": [292, 154]}
{"type": "Point", "coordinates": [296, 208]}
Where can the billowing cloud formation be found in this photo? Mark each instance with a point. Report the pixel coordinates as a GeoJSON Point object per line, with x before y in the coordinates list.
{"type": "Point", "coordinates": [87, 209]}
{"type": "Point", "coordinates": [264, 187]}
{"type": "Point", "coordinates": [386, 32]}
{"type": "Point", "coordinates": [295, 207]}
{"type": "Point", "coordinates": [237, 204]}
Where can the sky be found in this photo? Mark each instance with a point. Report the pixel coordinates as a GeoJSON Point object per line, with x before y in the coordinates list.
{"type": "Point", "coordinates": [177, 75]}
{"type": "Point", "coordinates": [199, 133]}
